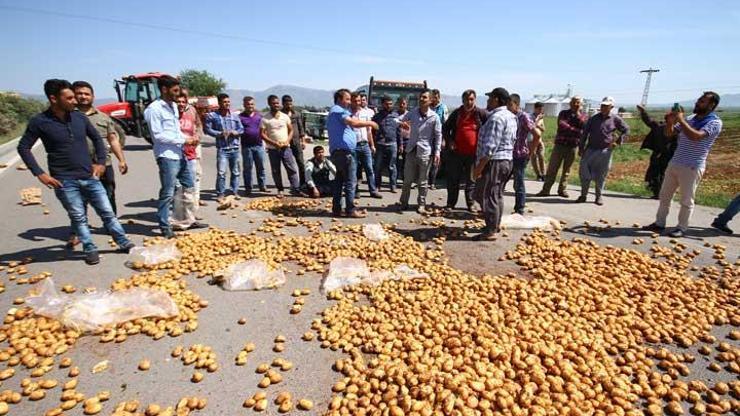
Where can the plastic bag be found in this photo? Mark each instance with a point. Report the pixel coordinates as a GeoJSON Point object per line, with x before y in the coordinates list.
{"type": "Point", "coordinates": [345, 271]}
{"type": "Point", "coordinates": [183, 210]}
{"type": "Point", "coordinates": [151, 255]}
{"type": "Point", "coordinates": [349, 271]}
{"type": "Point", "coordinates": [521, 222]}
{"type": "Point", "coordinates": [92, 311]}
{"type": "Point", "coordinates": [374, 232]}
{"type": "Point", "coordinates": [252, 275]}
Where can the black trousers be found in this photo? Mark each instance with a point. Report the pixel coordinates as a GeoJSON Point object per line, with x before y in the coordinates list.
{"type": "Point", "coordinates": [297, 149]}
{"type": "Point", "coordinates": [458, 170]}
{"type": "Point", "coordinates": [108, 180]}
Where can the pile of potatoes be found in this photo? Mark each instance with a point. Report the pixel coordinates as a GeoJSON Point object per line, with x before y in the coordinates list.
{"type": "Point", "coordinates": [579, 336]}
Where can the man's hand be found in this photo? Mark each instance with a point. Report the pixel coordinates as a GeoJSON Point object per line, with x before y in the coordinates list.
{"type": "Point", "coordinates": [374, 125]}
{"type": "Point", "coordinates": [98, 170]}
{"type": "Point", "coordinates": [612, 145]}
{"type": "Point", "coordinates": [452, 146]}
{"type": "Point", "coordinates": [640, 108]}
{"type": "Point", "coordinates": [315, 192]}
{"type": "Point", "coordinates": [671, 118]}
{"type": "Point", "coordinates": [123, 167]}
{"type": "Point", "coordinates": [49, 181]}
{"type": "Point", "coordinates": [436, 160]}
{"type": "Point", "coordinates": [478, 170]}
{"type": "Point", "coordinates": [372, 149]}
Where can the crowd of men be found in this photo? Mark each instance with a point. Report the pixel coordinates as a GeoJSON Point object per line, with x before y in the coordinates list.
{"type": "Point", "coordinates": [479, 148]}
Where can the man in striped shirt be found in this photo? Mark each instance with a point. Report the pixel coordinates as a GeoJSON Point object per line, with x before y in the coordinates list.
{"type": "Point", "coordinates": [696, 135]}
{"type": "Point", "coordinates": [493, 161]}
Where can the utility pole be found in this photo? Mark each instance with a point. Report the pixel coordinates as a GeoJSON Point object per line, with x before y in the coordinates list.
{"type": "Point", "coordinates": [649, 73]}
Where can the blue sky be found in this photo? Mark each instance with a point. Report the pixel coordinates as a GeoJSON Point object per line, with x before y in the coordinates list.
{"type": "Point", "coordinates": [528, 47]}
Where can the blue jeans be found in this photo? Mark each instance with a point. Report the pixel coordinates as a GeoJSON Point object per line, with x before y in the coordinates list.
{"type": "Point", "coordinates": [385, 157]}
{"type": "Point", "coordinates": [284, 156]}
{"type": "Point", "coordinates": [74, 194]}
{"type": "Point", "coordinates": [520, 193]}
{"type": "Point", "coordinates": [346, 180]}
{"type": "Point", "coordinates": [364, 161]}
{"type": "Point", "coordinates": [254, 155]}
{"type": "Point", "coordinates": [171, 172]}
{"type": "Point", "coordinates": [230, 157]}
{"type": "Point", "coordinates": [726, 216]}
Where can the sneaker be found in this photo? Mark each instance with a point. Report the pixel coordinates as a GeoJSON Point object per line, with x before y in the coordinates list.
{"type": "Point", "coordinates": [581, 199]}
{"type": "Point", "coordinates": [654, 228]}
{"type": "Point", "coordinates": [280, 194]}
{"type": "Point", "coordinates": [541, 178]}
{"type": "Point", "coordinates": [401, 206]}
{"type": "Point", "coordinates": [432, 187]}
{"type": "Point", "coordinates": [92, 257]}
{"type": "Point", "coordinates": [676, 233]}
{"type": "Point", "coordinates": [542, 193]}
{"type": "Point", "coordinates": [485, 236]}
{"type": "Point", "coordinates": [126, 248]}
{"type": "Point", "coordinates": [167, 233]}
{"type": "Point", "coordinates": [376, 195]}
{"type": "Point", "coordinates": [263, 189]}
{"type": "Point", "coordinates": [421, 210]}
{"type": "Point", "coordinates": [722, 227]}
{"type": "Point", "coordinates": [393, 190]}
{"type": "Point", "coordinates": [599, 201]}
{"type": "Point", "coordinates": [197, 225]}
{"type": "Point", "coordinates": [564, 193]}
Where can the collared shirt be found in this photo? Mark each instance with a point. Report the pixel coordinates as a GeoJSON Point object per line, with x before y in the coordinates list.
{"type": "Point", "coordinates": [296, 120]}
{"type": "Point", "coordinates": [364, 114]}
{"type": "Point", "coordinates": [497, 136]}
{"type": "Point", "coordinates": [442, 112]}
{"type": "Point", "coordinates": [405, 133]}
{"type": "Point", "coordinates": [276, 127]}
{"type": "Point", "coordinates": [104, 125]}
{"type": "Point", "coordinates": [164, 125]}
{"type": "Point", "coordinates": [65, 142]}
{"type": "Point", "coordinates": [570, 128]}
{"type": "Point", "coordinates": [390, 128]}
{"type": "Point", "coordinates": [216, 124]}
{"type": "Point", "coordinates": [426, 132]}
{"type": "Point", "coordinates": [251, 124]}
{"type": "Point", "coordinates": [524, 126]}
{"type": "Point", "coordinates": [320, 173]}
{"type": "Point", "coordinates": [599, 131]}
{"type": "Point", "coordinates": [341, 136]}
{"type": "Point", "coordinates": [694, 153]}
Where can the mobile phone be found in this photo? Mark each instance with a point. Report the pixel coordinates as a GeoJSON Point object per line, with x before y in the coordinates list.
{"type": "Point", "coordinates": [676, 108]}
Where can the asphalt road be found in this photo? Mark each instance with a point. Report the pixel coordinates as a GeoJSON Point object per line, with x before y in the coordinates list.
{"type": "Point", "coordinates": [28, 232]}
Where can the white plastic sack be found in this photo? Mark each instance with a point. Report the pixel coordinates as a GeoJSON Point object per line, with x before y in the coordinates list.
{"type": "Point", "coordinates": [345, 271]}
{"type": "Point", "coordinates": [374, 232]}
{"type": "Point", "coordinates": [349, 271]}
{"type": "Point", "coordinates": [252, 275]}
{"type": "Point", "coordinates": [91, 311]}
{"type": "Point", "coordinates": [521, 222]}
{"type": "Point", "coordinates": [183, 210]}
{"type": "Point", "coordinates": [155, 254]}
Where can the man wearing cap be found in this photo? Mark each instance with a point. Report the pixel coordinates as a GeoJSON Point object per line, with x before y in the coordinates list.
{"type": "Point", "coordinates": [596, 146]}
{"type": "Point", "coordinates": [570, 129]}
{"type": "Point", "coordinates": [493, 161]}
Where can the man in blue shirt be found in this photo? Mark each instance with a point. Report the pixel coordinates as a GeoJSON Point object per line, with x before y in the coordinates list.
{"type": "Point", "coordinates": [342, 144]}
{"type": "Point", "coordinates": [227, 129]}
{"type": "Point", "coordinates": [72, 175]}
{"type": "Point", "coordinates": [441, 109]}
{"type": "Point", "coordinates": [387, 142]}
{"type": "Point", "coordinates": [163, 120]}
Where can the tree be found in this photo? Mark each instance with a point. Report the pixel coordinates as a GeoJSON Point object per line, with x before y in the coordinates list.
{"type": "Point", "coordinates": [201, 83]}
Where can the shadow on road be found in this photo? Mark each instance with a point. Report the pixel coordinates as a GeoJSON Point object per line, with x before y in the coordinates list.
{"type": "Point", "coordinates": [144, 203]}
{"type": "Point", "coordinates": [137, 147]}
{"type": "Point", "coordinates": [694, 233]}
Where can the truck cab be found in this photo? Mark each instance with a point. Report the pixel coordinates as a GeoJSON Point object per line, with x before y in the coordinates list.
{"type": "Point", "coordinates": [376, 89]}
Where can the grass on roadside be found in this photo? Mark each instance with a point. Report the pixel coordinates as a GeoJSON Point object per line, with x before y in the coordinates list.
{"type": "Point", "coordinates": [13, 134]}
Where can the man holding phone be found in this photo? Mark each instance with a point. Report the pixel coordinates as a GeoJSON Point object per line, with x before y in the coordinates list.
{"type": "Point", "coordinates": [695, 136]}
{"type": "Point", "coordinates": [72, 174]}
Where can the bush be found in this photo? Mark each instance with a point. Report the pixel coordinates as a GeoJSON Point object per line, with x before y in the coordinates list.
{"type": "Point", "coordinates": [16, 110]}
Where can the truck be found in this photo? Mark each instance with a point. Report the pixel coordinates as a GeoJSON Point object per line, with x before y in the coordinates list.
{"type": "Point", "coordinates": [376, 89]}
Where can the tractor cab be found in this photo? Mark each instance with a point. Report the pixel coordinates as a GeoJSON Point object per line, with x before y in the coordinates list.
{"type": "Point", "coordinates": [135, 93]}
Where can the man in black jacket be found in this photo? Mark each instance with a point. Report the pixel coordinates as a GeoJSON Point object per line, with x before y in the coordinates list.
{"type": "Point", "coordinates": [460, 135]}
{"type": "Point", "coordinates": [662, 148]}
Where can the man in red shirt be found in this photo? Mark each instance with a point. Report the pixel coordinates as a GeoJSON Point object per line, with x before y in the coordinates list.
{"type": "Point", "coordinates": [460, 135]}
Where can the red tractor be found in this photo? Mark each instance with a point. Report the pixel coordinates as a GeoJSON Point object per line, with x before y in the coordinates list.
{"type": "Point", "coordinates": [135, 92]}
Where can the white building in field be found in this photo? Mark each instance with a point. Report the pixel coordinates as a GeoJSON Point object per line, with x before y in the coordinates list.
{"type": "Point", "coordinates": [554, 103]}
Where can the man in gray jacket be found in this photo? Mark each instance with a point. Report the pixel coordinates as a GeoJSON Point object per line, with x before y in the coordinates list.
{"type": "Point", "coordinates": [423, 149]}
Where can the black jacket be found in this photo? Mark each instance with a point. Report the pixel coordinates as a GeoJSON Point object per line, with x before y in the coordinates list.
{"type": "Point", "coordinates": [450, 126]}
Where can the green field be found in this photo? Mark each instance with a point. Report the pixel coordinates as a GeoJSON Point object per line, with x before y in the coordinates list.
{"type": "Point", "coordinates": [719, 185]}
